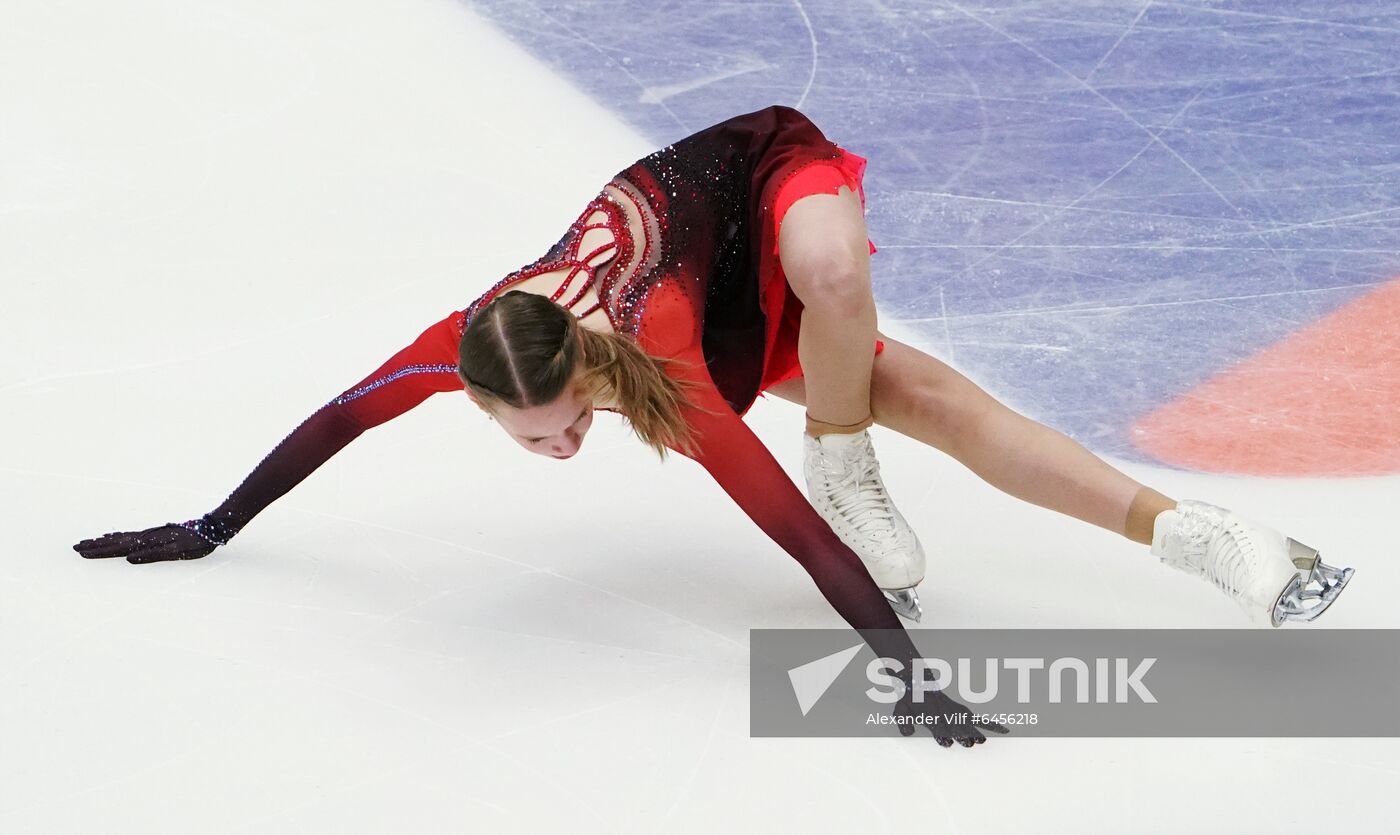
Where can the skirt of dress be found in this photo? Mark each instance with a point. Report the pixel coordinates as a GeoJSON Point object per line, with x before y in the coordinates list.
{"type": "Point", "coordinates": [783, 307]}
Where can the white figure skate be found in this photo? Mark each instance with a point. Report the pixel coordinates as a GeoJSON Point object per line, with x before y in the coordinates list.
{"type": "Point", "coordinates": [1273, 578]}
{"type": "Point", "coordinates": [843, 482]}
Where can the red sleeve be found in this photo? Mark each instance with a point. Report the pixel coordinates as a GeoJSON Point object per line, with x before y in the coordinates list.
{"type": "Point", "coordinates": [747, 471]}
{"type": "Point", "coordinates": [409, 377]}
{"type": "Point", "coordinates": [424, 368]}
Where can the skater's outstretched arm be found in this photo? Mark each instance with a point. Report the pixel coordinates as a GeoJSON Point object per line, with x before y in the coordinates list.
{"type": "Point", "coordinates": [421, 369]}
{"type": "Point", "coordinates": [747, 471]}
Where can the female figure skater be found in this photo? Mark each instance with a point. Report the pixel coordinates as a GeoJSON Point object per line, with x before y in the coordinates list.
{"type": "Point", "coordinates": [734, 262]}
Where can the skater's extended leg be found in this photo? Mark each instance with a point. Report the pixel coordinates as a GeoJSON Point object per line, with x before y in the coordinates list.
{"type": "Point", "coordinates": [1273, 578]}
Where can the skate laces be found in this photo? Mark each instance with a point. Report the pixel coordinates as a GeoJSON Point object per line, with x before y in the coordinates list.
{"type": "Point", "coordinates": [853, 485]}
{"type": "Point", "coordinates": [1219, 545]}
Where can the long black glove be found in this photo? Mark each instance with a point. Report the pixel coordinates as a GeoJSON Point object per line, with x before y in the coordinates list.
{"type": "Point", "coordinates": [185, 541]}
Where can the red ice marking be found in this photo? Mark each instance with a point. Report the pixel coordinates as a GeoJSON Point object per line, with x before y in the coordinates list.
{"type": "Point", "coordinates": [1323, 402]}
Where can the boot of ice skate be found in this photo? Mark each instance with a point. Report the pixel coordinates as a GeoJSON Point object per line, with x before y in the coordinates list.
{"type": "Point", "coordinates": [844, 485]}
{"type": "Point", "coordinates": [1271, 577]}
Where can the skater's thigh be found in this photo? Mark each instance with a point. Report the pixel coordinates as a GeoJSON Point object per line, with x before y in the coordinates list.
{"type": "Point", "coordinates": [916, 395]}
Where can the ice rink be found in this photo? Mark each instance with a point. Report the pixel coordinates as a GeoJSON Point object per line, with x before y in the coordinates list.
{"type": "Point", "coordinates": [1170, 230]}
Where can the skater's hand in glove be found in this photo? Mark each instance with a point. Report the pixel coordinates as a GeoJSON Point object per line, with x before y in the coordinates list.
{"type": "Point", "coordinates": [946, 719]}
{"type": "Point", "coordinates": [167, 542]}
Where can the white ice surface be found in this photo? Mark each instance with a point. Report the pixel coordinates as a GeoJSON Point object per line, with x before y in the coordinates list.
{"type": "Point", "coordinates": [214, 217]}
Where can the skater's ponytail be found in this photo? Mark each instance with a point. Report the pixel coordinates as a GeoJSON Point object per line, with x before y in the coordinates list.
{"type": "Point", "coordinates": [522, 349]}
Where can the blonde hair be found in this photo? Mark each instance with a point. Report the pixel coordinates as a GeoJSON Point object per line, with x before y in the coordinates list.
{"type": "Point", "coordinates": [523, 349]}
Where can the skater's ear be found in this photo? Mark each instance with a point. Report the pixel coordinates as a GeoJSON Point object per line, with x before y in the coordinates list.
{"type": "Point", "coordinates": [482, 406]}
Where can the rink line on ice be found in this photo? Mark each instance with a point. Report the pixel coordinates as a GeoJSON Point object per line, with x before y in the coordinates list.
{"type": "Point", "coordinates": [1324, 401]}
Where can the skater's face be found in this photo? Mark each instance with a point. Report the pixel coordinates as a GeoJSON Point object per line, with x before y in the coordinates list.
{"type": "Point", "coordinates": [554, 429]}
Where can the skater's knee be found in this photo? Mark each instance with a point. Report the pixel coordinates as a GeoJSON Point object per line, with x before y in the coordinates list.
{"type": "Point", "coordinates": [832, 281]}
{"type": "Point", "coordinates": [941, 412]}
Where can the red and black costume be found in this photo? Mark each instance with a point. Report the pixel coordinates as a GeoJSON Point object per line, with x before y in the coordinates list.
{"type": "Point", "coordinates": [708, 288]}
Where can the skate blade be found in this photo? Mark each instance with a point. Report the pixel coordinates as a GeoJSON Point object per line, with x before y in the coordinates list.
{"type": "Point", "coordinates": [1307, 597]}
{"type": "Point", "coordinates": [905, 603]}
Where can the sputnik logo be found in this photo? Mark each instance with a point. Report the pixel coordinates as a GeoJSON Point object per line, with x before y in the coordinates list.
{"type": "Point", "coordinates": [811, 680]}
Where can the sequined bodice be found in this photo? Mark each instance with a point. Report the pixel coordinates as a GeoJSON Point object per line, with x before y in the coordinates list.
{"type": "Point", "coordinates": [700, 206]}
{"type": "Point", "coordinates": [683, 242]}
